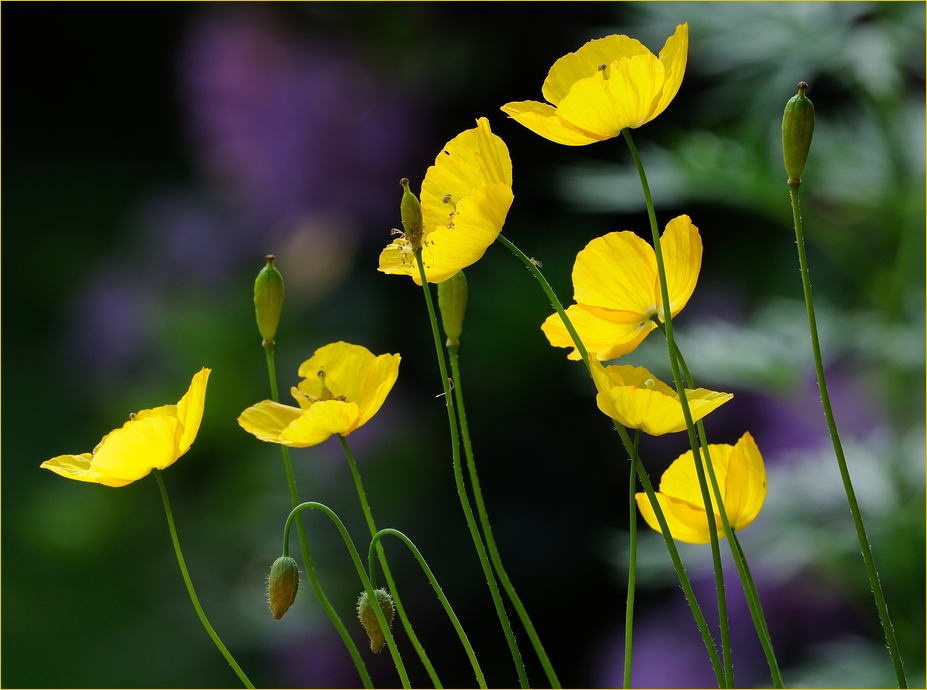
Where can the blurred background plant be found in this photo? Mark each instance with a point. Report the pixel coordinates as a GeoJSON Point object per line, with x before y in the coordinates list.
{"type": "Point", "coordinates": [156, 152]}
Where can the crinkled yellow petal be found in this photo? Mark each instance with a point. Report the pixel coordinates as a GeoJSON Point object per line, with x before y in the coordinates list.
{"type": "Point", "coordinates": [624, 95]}
{"type": "Point", "coordinates": [268, 419]}
{"type": "Point", "coordinates": [686, 522]}
{"type": "Point", "coordinates": [398, 258]}
{"type": "Point", "coordinates": [345, 366]}
{"type": "Point", "coordinates": [585, 62]}
{"type": "Point", "coordinates": [609, 334]}
{"type": "Point", "coordinates": [542, 119]}
{"type": "Point", "coordinates": [378, 383]}
{"type": "Point", "coordinates": [319, 422]}
{"type": "Point", "coordinates": [680, 480]}
{"type": "Point", "coordinates": [673, 56]}
{"type": "Point", "coordinates": [617, 271]}
{"type": "Point", "coordinates": [73, 467]}
{"type": "Point", "coordinates": [682, 257]}
{"type": "Point", "coordinates": [142, 444]}
{"type": "Point", "coordinates": [190, 409]}
{"type": "Point", "coordinates": [745, 484]}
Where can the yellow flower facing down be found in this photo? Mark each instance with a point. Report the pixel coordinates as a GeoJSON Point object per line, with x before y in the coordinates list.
{"type": "Point", "coordinates": [466, 195]}
{"type": "Point", "coordinates": [635, 398]}
{"type": "Point", "coordinates": [617, 289]}
{"type": "Point", "coordinates": [604, 87]}
{"type": "Point", "coordinates": [343, 386]}
{"type": "Point", "coordinates": [151, 439]}
{"type": "Point", "coordinates": [741, 479]}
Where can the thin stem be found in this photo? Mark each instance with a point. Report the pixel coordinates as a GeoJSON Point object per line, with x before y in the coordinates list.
{"type": "Point", "coordinates": [361, 572]}
{"type": "Point", "coordinates": [371, 525]}
{"type": "Point", "coordinates": [461, 489]}
{"type": "Point", "coordinates": [304, 542]}
{"type": "Point", "coordinates": [687, 415]}
{"type": "Point", "coordinates": [186, 578]}
{"type": "Point", "coordinates": [632, 564]}
{"type": "Point", "coordinates": [375, 542]}
{"type": "Point", "coordinates": [838, 449]}
{"type": "Point", "coordinates": [487, 528]}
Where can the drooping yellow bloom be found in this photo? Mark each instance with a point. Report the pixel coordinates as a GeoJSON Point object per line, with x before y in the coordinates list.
{"type": "Point", "coordinates": [343, 386]}
{"type": "Point", "coordinates": [741, 479]}
{"type": "Point", "coordinates": [466, 195]}
{"type": "Point", "coordinates": [617, 289]}
{"type": "Point", "coordinates": [604, 87]}
{"type": "Point", "coordinates": [635, 398]}
{"type": "Point", "coordinates": [151, 439]}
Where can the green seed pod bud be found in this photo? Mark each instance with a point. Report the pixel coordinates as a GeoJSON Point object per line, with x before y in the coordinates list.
{"type": "Point", "coordinates": [268, 300]}
{"type": "Point", "coordinates": [452, 302]}
{"type": "Point", "coordinates": [797, 128]}
{"type": "Point", "coordinates": [368, 617]}
{"type": "Point", "coordinates": [282, 585]}
{"type": "Point", "coordinates": [411, 211]}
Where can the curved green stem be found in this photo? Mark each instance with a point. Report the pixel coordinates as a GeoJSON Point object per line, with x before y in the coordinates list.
{"type": "Point", "coordinates": [186, 578]}
{"type": "Point", "coordinates": [375, 545]}
{"type": "Point", "coordinates": [361, 572]}
{"type": "Point", "coordinates": [487, 528]}
{"type": "Point", "coordinates": [400, 609]}
{"type": "Point", "coordinates": [838, 449]}
{"type": "Point", "coordinates": [304, 543]}
{"type": "Point", "coordinates": [632, 564]}
{"type": "Point", "coordinates": [461, 489]}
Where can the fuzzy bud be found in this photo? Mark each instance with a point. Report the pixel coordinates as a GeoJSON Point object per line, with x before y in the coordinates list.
{"type": "Point", "coordinates": [411, 211]}
{"type": "Point", "coordinates": [368, 617]}
{"type": "Point", "coordinates": [797, 128]}
{"type": "Point", "coordinates": [452, 302]}
{"type": "Point", "coordinates": [282, 585]}
{"type": "Point", "coordinates": [268, 300]}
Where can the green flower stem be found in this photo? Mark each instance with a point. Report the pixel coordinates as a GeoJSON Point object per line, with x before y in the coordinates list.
{"type": "Point", "coordinates": [406, 623]}
{"type": "Point", "coordinates": [361, 572]}
{"type": "Point", "coordinates": [838, 449]}
{"type": "Point", "coordinates": [186, 578]}
{"type": "Point", "coordinates": [487, 528]}
{"type": "Point", "coordinates": [304, 543]}
{"type": "Point", "coordinates": [740, 560]}
{"type": "Point", "coordinates": [645, 480]}
{"type": "Point", "coordinates": [687, 415]}
{"type": "Point", "coordinates": [375, 544]}
{"type": "Point", "coordinates": [461, 489]}
{"type": "Point", "coordinates": [632, 564]}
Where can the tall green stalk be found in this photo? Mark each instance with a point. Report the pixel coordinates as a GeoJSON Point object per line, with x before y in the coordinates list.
{"type": "Point", "coordinates": [632, 565]}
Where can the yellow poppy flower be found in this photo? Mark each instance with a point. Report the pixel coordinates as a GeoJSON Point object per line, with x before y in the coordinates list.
{"type": "Point", "coordinates": [607, 85]}
{"type": "Point", "coordinates": [634, 397]}
{"type": "Point", "coordinates": [466, 195]}
{"type": "Point", "coordinates": [343, 386]}
{"type": "Point", "coordinates": [151, 439]}
{"type": "Point", "coordinates": [617, 289]}
{"type": "Point", "coordinates": [741, 479]}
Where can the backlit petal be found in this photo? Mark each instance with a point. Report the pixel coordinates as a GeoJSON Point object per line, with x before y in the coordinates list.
{"type": "Point", "coordinates": [542, 119]}
{"type": "Point", "coordinates": [686, 522]}
{"type": "Point", "coordinates": [345, 366]}
{"type": "Point", "coordinates": [673, 56]}
{"type": "Point", "coordinates": [190, 409]}
{"type": "Point", "coordinates": [682, 257]}
{"type": "Point", "coordinates": [73, 467]}
{"type": "Point", "coordinates": [268, 419]}
{"type": "Point", "coordinates": [141, 445]}
{"type": "Point", "coordinates": [616, 271]}
{"type": "Point", "coordinates": [585, 62]}
{"type": "Point", "coordinates": [378, 383]}
{"type": "Point", "coordinates": [609, 334]}
{"type": "Point", "coordinates": [680, 479]}
{"type": "Point", "coordinates": [319, 422]}
{"type": "Point", "coordinates": [745, 483]}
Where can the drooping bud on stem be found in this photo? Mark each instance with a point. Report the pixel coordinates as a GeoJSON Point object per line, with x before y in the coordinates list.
{"type": "Point", "coordinates": [452, 303]}
{"type": "Point", "coordinates": [368, 617]}
{"type": "Point", "coordinates": [268, 300]}
{"type": "Point", "coordinates": [797, 129]}
{"type": "Point", "coordinates": [411, 211]}
{"type": "Point", "coordinates": [282, 585]}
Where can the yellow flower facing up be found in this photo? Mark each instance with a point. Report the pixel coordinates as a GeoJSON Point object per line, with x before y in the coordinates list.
{"type": "Point", "coordinates": [617, 289]}
{"type": "Point", "coordinates": [741, 479]}
{"type": "Point", "coordinates": [151, 439]}
{"type": "Point", "coordinates": [635, 398]}
{"type": "Point", "coordinates": [343, 386]}
{"type": "Point", "coordinates": [466, 195]}
{"type": "Point", "coordinates": [604, 87]}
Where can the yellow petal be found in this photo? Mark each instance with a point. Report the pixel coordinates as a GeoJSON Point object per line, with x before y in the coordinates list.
{"type": "Point", "coordinates": [397, 258]}
{"type": "Point", "coordinates": [686, 522]}
{"type": "Point", "coordinates": [680, 480]}
{"type": "Point", "coordinates": [542, 119]}
{"type": "Point", "coordinates": [345, 366]}
{"type": "Point", "coordinates": [624, 95]}
{"type": "Point", "coordinates": [76, 467]}
{"type": "Point", "coordinates": [320, 421]}
{"type": "Point", "coordinates": [617, 271]}
{"type": "Point", "coordinates": [682, 257]}
{"type": "Point", "coordinates": [745, 483]}
{"type": "Point", "coordinates": [190, 409]}
{"type": "Point", "coordinates": [673, 56]}
{"type": "Point", "coordinates": [378, 383]}
{"type": "Point", "coordinates": [609, 334]}
{"type": "Point", "coordinates": [268, 419]}
{"type": "Point", "coordinates": [585, 62]}
{"type": "Point", "coordinates": [142, 444]}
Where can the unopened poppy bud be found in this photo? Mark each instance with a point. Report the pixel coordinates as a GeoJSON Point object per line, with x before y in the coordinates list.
{"type": "Point", "coordinates": [368, 617]}
{"type": "Point", "coordinates": [797, 128]}
{"type": "Point", "coordinates": [282, 585]}
{"type": "Point", "coordinates": [411, 212]}
{"type": "Point", "coordinates": [268, 300]}
{"type": "Point", "coordinates": [452, 302]}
